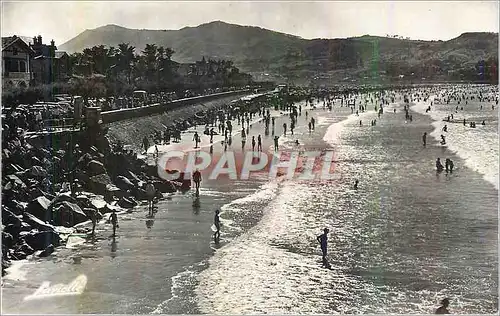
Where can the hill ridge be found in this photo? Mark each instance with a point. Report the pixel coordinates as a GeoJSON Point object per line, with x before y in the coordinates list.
{"type": "Point", "coordinates": [258, 50]}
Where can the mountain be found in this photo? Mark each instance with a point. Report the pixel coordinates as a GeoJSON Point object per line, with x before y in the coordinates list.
{"type": "Point", "coordinates": [258, 51]}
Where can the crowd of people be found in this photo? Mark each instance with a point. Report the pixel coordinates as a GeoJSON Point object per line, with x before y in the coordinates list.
{"type": "Point", "coordinates": [60, 112]}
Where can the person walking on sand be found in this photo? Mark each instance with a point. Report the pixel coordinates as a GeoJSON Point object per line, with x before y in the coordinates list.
{"type": "Point", "coordinates": [323, 241]}
{"type": "Point", "coordinates": [145, 143]}
{"type": "Point", "coordinates": [217, 226]}
{"type": "Point", "coordinates": [197, 181]}
{"type": "Point", "coordinates": [259, 143]}
{"type": "Point", "coordinates": [150, 192]}
{"type": "Point", "coordinates": [196, 139]}
{"type": "Point", "coordinates": [114, 221]}
{"type": "Point", "coordinates": [93, 218]}
{"type": "Point", "coordinates": [443, 309]}
{"type": "Point", "coordinates": [424, 138]}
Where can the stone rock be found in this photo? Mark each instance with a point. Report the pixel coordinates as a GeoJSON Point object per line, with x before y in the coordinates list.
{"type": "Point", "coordinates": [37, 223]}
{"type": "Point", "coordinates": [7, 239]}
{"type": "Point", "coordinates": [15, 207]}
{"type": "Point", "coordinates": [98, 203]}
{"type": "Point", "coordinates": [10, 218]}
{"type": "Point", "coordinates": [41, 240]}
{"type": "Point", "coordinates": [126, 203]}
{"type": "Point", "coordinates": [141, 194]}
{"type": "Point", "coordinates": [37, 171]}
{"type": "Point", "coordinates": [47, 251]}
{"type": "Point", "coordinates": [95, 167]}
{"type": "Point", "coordinates": [83, 201]}
{"type": "Point", "coordinates": [39, 208]}
{"type": "Point", "coordinates": [5, 266]}
{"type": "Point", "coordinates": [25, 227]}
{"type": "Point", "coordinates": [133, 177]}
{"type": "Point", "coordinates": [16, 180]}
{"type": "Point", "coordinates": [19, 254]}
{"type": "Point", "coordinates": [89, 211]}
{"type": "Point", "coordinates": [67, 214]}
{"type": "Point", "coordinates": [62, 197]}
{"type": "Point", "coordinates": [15, 231]}
{"type": "Point", "coordinates": [165, 186]}
{"type": "Point", "coordinates": [124, 183]}
{"type": "Point", "coordinates": [98, 183]}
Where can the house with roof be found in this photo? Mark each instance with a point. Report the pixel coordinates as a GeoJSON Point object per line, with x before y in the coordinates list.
{"type": "Point", "coordinates": [17, 56]}
{"type": "Point", "coordinates": [49, 65]}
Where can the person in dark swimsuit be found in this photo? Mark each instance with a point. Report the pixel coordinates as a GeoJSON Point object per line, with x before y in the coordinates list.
{"type": "Point", "coordinates": [323, 241]}
{"type": "Point", "coordinates": [443, 309]}
{"type": "Point", "coordinates": [217, 225]}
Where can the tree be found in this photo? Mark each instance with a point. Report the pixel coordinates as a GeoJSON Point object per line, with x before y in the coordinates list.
{"type": "Point", "coordinates": [126, 59]}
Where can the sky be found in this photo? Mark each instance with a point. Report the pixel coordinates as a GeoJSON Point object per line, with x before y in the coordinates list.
{"type": "Point", "coordinates": [436, 20]}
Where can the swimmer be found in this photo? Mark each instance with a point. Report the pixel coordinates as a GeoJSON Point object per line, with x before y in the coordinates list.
{"type": "Point", "coordinates": [439, 165]}
{"type": "Point", "coordinates": [443, 309]}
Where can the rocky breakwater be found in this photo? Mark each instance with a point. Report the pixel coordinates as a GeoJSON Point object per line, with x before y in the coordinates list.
{"type": "Point", "coordinates": [48, 189]}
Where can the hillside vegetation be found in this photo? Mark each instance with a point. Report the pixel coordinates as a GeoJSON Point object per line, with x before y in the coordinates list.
{"type": "Point", "coordinates": [261, 52]}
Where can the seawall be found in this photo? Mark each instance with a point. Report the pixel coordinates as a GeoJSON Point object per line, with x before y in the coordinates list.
{"type": "Point", "coordinates": [131, 130]}
{"type": "Point", "coordinates": [158, 108]}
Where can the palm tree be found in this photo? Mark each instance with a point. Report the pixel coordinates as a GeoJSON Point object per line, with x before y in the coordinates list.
{"type": "Point", "coordinates": [126, 59]}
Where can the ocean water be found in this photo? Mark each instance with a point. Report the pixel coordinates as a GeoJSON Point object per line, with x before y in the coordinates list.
{"type": "Point", "coordinates": [477, 146]}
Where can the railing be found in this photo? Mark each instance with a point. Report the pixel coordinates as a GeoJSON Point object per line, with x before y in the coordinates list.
{"type": "Point", "coordinates": [156, 108]}
{"type": "Point", "coordinates": [61, 122]}
{"type": "Point", "coordinates": [16, 75]}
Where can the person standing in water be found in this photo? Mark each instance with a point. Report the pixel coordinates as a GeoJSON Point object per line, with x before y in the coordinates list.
{"type": "Point", "coordinates": [443, 309]}
{"type": "Point", "coordinates": [439, 165]}
{"type": "Point", "coordinates": [323, 241]}
{"type": "Point", "coordinates": [114, 221]}
{"type": "Point", "coordinates": [150, 192]}
{"type": "Point", "coordinates": [197, 181]}
{"type": "Point", "coordinates": [356, 184]}
{"type": "Point", "coordinates": [443, 140]}
{"type": "Point", "coordinates": [217, 226]}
